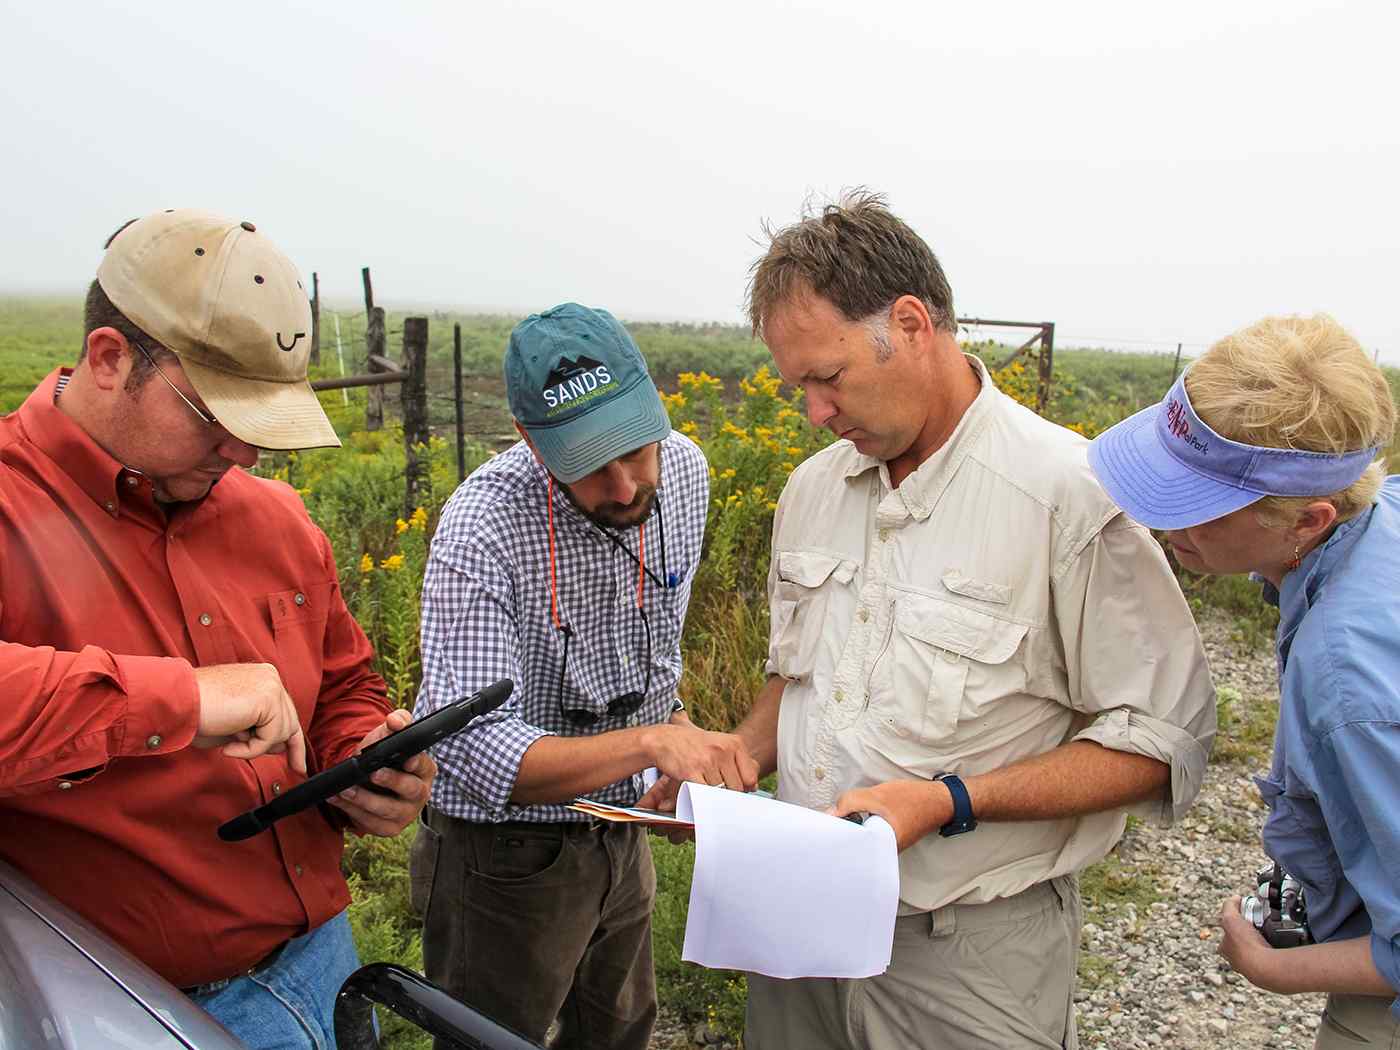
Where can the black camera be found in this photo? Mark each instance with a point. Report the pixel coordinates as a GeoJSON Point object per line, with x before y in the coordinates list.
{"type": "Point", "coordinates": [1278, 911]}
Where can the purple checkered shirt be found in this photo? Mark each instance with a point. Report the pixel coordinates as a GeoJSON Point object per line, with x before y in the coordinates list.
{"type": "Point", "coordinates": [486, 616]}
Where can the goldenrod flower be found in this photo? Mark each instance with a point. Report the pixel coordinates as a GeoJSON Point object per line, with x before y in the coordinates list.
{"type": "Point", "coordinates": [727, 473]}
{"type": "Point", "coordinates": [418, 519]}
{"type": "Point", "coordinates": [366, 563]}
{"type": "Point", "coordinates": [393, 563]}
{"type": "Point", "coordinates": [400, 527]}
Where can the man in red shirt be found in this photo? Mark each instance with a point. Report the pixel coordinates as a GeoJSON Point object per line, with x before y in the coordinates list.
{"type": "Point", "coordinates": [174, 647]}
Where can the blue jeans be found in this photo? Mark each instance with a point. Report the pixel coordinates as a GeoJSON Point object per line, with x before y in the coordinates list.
{"type": "Point", "coordinates": [291, 1004]}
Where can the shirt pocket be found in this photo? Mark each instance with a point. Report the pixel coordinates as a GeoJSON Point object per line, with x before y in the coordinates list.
{"type": "Point", "coordinates": [1296, 836]}
{"type": "Point", "coordinates": [299, 632]}
{"type": "Point", "coordinates": [944, 659]}
{"type": "Point", "coordinates": [806, 586]}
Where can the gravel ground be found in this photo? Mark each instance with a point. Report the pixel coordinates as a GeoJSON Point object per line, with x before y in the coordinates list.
{"type": "Point", "coordinates": [1164, 984]}
{"type": "Point", "coordinates": [1150, 974]}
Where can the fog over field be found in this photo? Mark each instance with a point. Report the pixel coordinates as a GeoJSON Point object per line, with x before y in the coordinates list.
{"type": "Point", "coordinates": [1139, 175]}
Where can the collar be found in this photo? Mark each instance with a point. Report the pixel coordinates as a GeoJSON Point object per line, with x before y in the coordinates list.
{"type": "Point", "coordinates": [921, 489]}
{"type": "Point", "coordinates": [70, 448]}
{"type": "Point", "coordinates": [1302, 586]}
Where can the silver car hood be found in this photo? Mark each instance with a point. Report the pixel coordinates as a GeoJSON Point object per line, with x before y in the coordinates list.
{"type": "Point", "coordinates": [64, 985]}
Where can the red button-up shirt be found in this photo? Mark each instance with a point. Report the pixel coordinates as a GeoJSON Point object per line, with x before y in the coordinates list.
{"type": "Point", "coordinates": [107, 603]}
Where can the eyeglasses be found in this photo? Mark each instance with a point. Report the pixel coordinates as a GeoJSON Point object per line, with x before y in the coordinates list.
{"type": "Point", "coordinates": [204, 417]}
{"type": "Point", "coordinates": [624, 706]}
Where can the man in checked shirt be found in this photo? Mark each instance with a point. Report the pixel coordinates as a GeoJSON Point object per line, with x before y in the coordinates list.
{"type": "Point", "coordinates": [564, 564]}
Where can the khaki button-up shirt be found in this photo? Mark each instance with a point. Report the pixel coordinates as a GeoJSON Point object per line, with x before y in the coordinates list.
{"type": "Point", "coordinates": [992, 607]}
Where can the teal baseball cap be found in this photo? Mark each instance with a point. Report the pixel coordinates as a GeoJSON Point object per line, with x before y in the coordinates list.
{"type": "Point", "coordinates": [579, 387]}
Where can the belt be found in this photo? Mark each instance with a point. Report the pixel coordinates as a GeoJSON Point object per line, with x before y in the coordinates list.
{"type": "Point", "coordinates": [262, 965]}
{"type": "Point", "coordinates": [584, 824]}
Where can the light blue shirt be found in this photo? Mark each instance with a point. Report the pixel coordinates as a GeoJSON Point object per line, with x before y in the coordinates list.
{"type": "Point", "coordinates": [1334, 788]}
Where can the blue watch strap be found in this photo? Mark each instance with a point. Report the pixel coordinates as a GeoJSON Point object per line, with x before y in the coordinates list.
{"type": "Point", "coordinates": [963, 820]}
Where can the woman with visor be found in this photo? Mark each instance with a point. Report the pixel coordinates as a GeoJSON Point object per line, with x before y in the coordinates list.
{"type": "Point", "coordinates": [1263, 459]}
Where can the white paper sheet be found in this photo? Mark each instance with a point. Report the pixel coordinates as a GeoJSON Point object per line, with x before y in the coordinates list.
{"type": "Point", "coordinates": [786, 891]}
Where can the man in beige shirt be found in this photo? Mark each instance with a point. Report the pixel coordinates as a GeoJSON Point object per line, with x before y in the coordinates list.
{"type": "Point", "coordinates": [953, 593]}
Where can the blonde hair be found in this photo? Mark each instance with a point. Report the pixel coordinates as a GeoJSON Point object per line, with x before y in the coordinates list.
{"type": "Point", "coordinates": [1297, 382]}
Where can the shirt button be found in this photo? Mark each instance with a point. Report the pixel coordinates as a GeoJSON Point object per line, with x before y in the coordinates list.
{"type": "Point", "coordinates": [819, 773]}
{"type": "Point", "coordinates": [205, 619]}
{"type": "Point", "coordinates": [153, 741]}
{"type": "Point", "coordinates": [297, 868]}
{"type": "Point", "coordinates": [131, 480]}
{"type": "Point", "coordinates": [277, 787]}
{"type": "Point", "coordinates": [110, 507]}
{"type": "Point", "coordinates": [884, 535]}
{"type": "Point", "coordinates": [65, 785]}
{"type": "Point", "coordinates": [864, 615]}
{"type": "Point", "coordinates": [300, 599]}
{"type": "Point", "coordinates": [839, 695]}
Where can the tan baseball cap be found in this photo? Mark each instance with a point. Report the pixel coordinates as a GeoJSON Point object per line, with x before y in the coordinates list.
{"type": "Point", "coordinates": [223, 298]}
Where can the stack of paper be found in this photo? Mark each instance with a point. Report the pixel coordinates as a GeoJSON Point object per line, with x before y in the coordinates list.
{"type": "Point", "coordinates": [786, 891]}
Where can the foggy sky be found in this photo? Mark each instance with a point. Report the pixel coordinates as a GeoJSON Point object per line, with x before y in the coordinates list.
{"type": "Point", "coordinates": [1136, 174]}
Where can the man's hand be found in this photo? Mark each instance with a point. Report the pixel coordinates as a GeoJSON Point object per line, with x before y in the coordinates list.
{"type": "Point", "coordinates": [683, 752]}
{"type": "Point", "coordinates": [1248, 953]}
{"type": "Point", "coordinates": [386, 815]}
{"type": "Point", "coordinates": [244, 709]}
{"type": "Point", "coordinates": [913, 808]}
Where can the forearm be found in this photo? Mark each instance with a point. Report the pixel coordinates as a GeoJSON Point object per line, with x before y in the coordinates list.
{"type": "Point", "coordinates": [70, 713]}
{"type": "Point", "coordinates": [1074, 779]}
{"type": "Point", "coordinates": [1337, 966]}
{"type": "Point", "coordinates": [759, 730]}
{"type": "Point", "coordinates": [1077, 778]}
{"type": "Point", "coordinates": [559, 768]}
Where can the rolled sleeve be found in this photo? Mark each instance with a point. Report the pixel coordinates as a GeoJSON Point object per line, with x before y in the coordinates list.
{"type": "Point", "coordinates": [1135, 662]}
{"type": "Point", "coordinates": [469, 640]}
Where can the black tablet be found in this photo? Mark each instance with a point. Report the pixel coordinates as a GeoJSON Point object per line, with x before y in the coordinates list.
{"type": "Point", "coordinates": [394, 750]}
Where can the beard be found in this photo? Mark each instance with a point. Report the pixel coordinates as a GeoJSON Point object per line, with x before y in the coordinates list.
{"type": "Point", "coordinates": [618, 515]}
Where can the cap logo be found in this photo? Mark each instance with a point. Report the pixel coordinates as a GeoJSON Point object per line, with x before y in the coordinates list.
{"type": "Point", "coordinates": [573, 381]}
{"type": "Point", "coordinates": [288, 349]}
{"type": "Point", "coordinates": [1179, 428]}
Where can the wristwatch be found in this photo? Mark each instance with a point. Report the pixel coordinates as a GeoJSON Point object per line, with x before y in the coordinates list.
{"type": "Point", "coordinates": [676, 706]}
{"type": "Point", "coordinates": [963, 820]}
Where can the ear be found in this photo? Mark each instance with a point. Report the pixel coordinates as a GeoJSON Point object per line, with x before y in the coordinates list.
{"type": "Point", "coordinates": [108, 358]}
{"type": "Point", "coordinates": [526, 438]}
{"type": "Point", "coordinates": [910, 322]}
{"type": "Point", "coordinates": [1314, 520]}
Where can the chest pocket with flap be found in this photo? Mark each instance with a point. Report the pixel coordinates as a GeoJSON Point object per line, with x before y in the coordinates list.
{"type": "Point", "coordinates": [808, 584]}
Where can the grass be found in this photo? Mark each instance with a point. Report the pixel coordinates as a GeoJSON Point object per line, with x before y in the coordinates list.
{"type": "Point", "coordinates": [1245, 728]}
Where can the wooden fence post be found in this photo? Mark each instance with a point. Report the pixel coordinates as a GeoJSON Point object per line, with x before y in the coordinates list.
{"type": "Point", "coordinates": [461, 408]}
{"type": "Point", "coordinates": [315, 318]}
{"type": "Point", "coordinates": [375, 345]}
{"type": "Point", "coordinates": [414, 394]}
{"type": "Point", "coordinates": [1047, 366]}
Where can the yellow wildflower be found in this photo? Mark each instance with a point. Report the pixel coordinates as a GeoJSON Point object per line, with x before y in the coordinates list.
{"type": "Point", "coordinates": [793, 450]}
{"type": "Point", "coordinates": [400, 527]}
{"type": "Point", "coordinates": [771, 505]}
{"type": "Point", "coordinates": [786, 466]}
{"type": "Point", "coordinates": [418, 519]}
{"type": "Point", "coordinates": [393, 563]}
{"type": "Point", "coordinates": [689, 429]}
{"type": "Point", "coordinates": [366, 563]}
{"type": "Point", "coordinates": [727, 473]}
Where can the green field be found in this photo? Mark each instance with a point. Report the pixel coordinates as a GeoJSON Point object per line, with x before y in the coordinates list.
{"type": "Point", "coordinates": [752, 430]}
